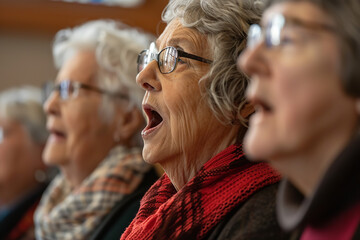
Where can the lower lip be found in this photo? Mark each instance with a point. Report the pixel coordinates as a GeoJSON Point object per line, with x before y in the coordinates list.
{"type": "Point", "coordinates": [147, 133]}
{"type": "Point", "coordinates": [56, 138]}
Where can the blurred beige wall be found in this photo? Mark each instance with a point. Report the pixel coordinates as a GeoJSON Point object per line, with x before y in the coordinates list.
{"type": "Point", "coordinates": [27, 28]}
{"type": "Point", "coordinates": [25, 58]}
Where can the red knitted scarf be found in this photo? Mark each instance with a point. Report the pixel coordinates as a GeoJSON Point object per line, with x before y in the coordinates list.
{"type": "Point", "coordinates": [223, 183]}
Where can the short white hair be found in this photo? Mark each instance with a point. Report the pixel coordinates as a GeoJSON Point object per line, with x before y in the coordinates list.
{"type": "Point", "coordinates": [116, 47]}
{"type": "Point", "coordinates": [24, 105]}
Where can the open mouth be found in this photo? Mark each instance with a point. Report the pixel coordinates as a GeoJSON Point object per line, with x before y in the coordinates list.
{"type": "Point", "coordinates": [261, 106]}
{"type": "Point", "coordinates": [57, 133]}
{"type": "Point", "coordinates": [154, 119]}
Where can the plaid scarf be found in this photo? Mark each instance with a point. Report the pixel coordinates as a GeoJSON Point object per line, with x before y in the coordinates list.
{"type": "Point", "coordinates": [223, 183]}
{"type": "Point", "coordinates": [66, 213]}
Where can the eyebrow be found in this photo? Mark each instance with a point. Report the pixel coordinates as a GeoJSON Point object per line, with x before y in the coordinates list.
{"type": "Point", "coordinates": [174, 42]}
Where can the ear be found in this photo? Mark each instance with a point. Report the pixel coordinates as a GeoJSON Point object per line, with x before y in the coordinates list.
{"type": "Point", "coordinates": [128, 123]}
{"type": "Point", "coordinates": [247, 110]}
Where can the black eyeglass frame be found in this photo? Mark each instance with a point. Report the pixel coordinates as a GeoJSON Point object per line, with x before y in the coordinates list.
{"type": "Point", "coordinates": [179, 54]}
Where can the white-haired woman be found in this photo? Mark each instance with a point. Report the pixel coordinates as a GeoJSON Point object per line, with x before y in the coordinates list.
{"type": "Point", "coordinates": [196, 109]}
{"type": "Point", "coordinates": [22, 173]}
{"type": "Point", "coordinates": [94, 120]}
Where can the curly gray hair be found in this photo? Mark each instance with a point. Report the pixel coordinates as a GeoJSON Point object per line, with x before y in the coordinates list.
{"type": "Point", "coordinates": [225, 23]}
{"type": "Point", "coordinates": [116, 47]}
{"type": "Point", "coordinates": [24, 105]}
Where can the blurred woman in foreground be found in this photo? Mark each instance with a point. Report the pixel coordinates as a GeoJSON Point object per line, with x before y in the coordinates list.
{"type": "Point", "coordinates": [304, 63]}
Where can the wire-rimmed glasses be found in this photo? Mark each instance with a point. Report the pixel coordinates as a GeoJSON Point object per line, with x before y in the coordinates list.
{"type": "Point", "coordinates": [70, 89]}
{"type": "Point", "coordinates": [273, 33]}
{"type": "Point", "coordinates": [166, 59]}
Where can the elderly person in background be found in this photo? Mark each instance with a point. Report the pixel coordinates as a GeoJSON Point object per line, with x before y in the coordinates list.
{"type": "Point", "coordinates": [304, 63]}
{"type": "Point", "coordinates": [196, 118]}
{"type": "Point", "coordinates": [94, 120]}
{"type": "Point", "coordinates": [22, 173]}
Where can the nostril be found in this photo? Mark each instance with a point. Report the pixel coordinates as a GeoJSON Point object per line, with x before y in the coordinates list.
{"type": "Point", "coordinates": [148, 87]}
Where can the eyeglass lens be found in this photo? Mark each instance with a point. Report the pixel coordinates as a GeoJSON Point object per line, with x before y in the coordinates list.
{"type": "Point", "coordinates": [66, 89]}
{"type": "Point", "coordinates": [272, 32]}
{"type": "Point", "coordinates": [167, 59]}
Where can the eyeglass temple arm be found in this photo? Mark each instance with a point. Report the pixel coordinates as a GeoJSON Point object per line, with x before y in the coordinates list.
{"type": "Point", "coordinates": [119, 95]}
{"type": "Point", "coordinates": [191, 56]}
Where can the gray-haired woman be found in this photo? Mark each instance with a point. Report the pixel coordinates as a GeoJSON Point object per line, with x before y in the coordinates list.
{"type": "Point", "coordinates": [94, 120]}
{"type": "Point", "coordinates": [22, 173]}
{"type": "Point", "coordinates": [196, 110]}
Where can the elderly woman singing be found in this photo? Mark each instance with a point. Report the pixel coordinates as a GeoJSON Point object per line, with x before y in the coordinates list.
{"type": "Point", "coordinates": [196, 119]}
{"type": "Point", "coordinates": [94, 120]}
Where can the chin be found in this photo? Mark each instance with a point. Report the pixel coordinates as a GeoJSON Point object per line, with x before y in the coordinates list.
{"type": "Point", "coordinates": [53, 157]}
{"type": "Point", "coordinates": [147, 154]}
{"type": "Point", "coordinates": [254, 150]}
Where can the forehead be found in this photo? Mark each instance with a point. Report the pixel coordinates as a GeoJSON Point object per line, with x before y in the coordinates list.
{"type": "Point", "coordinates": [302, 10]}
{"type": "Point", "coordinates": [81, 67]}
{"type": "Point", "coordinates": [176, 35]}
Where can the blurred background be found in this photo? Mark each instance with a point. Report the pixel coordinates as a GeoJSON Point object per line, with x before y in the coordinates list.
{"type": "Point", "coordinates": [27, 28]}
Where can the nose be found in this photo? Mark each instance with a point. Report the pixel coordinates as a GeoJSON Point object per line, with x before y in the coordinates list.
{"type": "Point", "coordinates": [148, 77]}
{"type": "Point", "coordinates": [51, 105]}
{"type": "Point", "coordinates": [253, 60]}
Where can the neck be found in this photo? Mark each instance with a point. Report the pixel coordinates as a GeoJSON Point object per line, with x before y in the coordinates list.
{"type": "Point", "coordinates": [183, 168]}
{"type": "Point", "coordinates": [79, 168]}
{"type": "Point", "coordinates": [306, 168]}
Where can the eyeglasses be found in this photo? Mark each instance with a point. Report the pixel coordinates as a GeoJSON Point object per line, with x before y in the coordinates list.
{"type": "Point", "coordinates": [70, 89]}
{"type": "Point", "coordinates": [167, 58]}
{"type": "Point", "coordinates": [273, 33]}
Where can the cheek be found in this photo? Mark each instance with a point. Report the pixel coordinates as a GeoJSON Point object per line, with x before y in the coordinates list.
{"type": "Point", "coordinates": [185, 112]}
{"type": "Point", "coordinates": [303, 81]}
{"type": "Point", "coordinates": [85, 130]}
{"type": "Point", "coordinates": [81, 121]}
{"type": "Point", "coordinates": [306, 92]}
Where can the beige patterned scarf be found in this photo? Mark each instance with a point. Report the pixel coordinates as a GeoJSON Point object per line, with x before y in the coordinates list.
{"type": "Point", "coordinates": [64, 213]}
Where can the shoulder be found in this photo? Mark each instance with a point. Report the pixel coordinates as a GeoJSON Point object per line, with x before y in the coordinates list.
{"type": "Point", "coordinates": [255, 219]}
{"type": "Point", "coordinates": [121, 215]}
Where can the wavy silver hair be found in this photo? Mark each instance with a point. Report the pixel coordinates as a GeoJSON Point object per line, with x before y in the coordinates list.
{"type": "Point", "coordinates": [116, 47]}
{"type": "Point", "coordinates": [24, 105]}
{"type": "Point", "coordinates": [225, 23]}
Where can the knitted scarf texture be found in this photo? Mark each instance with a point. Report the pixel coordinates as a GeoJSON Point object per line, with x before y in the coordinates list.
{"type": "Point", "coordinates": [223, 183]}
{"type": "Point", "coordinates": [66, 213]}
